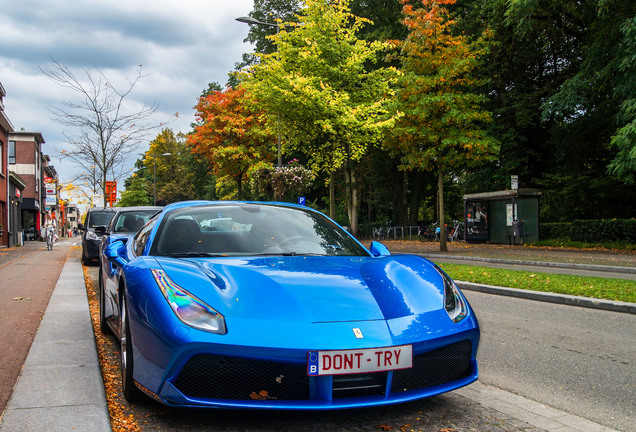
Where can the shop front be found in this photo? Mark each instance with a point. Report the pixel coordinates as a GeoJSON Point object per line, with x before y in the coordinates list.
{"type": "Point", "coordinates": [31, 218]}
{"type": "Point", "coordinates": [14, 223]}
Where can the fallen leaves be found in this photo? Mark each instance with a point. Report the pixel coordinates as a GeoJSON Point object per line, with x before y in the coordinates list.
{"type": "Point", "coordinates": [121, 418]}
{"type": "Point", "coordinates": [261, 395]}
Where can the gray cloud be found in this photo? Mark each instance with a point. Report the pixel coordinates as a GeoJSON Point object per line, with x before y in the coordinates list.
{"type": "Point", "coordinates": [182, 46]}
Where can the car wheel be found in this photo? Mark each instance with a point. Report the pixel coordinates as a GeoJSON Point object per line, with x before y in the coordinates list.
{"type": "Point", "coordinates": [85, 260]}
{"type": "Point", "coordinates": [103, 325]}
{"type": "Point", "coordinates": [131, 393]}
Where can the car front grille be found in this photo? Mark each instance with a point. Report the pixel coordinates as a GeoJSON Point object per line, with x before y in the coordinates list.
{"type": "Point", "coordinates": [217, 377]}
{"type": "Point", "coordinates": [441, 366]}
{"type": "Point", "coordinates": [211, 376]}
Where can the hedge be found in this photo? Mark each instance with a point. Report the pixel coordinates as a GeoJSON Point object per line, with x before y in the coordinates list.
{"type": "Point", "coordinates": [591, 231]}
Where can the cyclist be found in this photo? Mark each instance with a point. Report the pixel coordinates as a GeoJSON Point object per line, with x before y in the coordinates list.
{"type": "Point", "coordinates": [49, 232]}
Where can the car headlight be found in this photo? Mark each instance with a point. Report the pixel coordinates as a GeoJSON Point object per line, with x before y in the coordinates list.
{"type": "Point", "coordinates": [187, 307]}
{"type": "Point", "coordinates": [90, 235]}
{"type": "Point", "coordinates": [454, 303]}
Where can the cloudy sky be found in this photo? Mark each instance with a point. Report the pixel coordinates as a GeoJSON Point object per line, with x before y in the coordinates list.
{"type": "Point", "coordinates": [182, 45]}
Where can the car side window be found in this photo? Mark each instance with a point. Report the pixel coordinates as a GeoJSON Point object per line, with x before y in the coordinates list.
{"type": "Point", "coordinates": [142, 238]}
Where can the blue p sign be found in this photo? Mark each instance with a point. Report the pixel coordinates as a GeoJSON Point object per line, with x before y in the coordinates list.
{"type": "Point", "coordinates": [301, 200]}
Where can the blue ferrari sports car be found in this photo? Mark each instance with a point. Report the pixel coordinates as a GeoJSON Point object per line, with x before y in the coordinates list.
{"type": "Point", "coordinates": [274, 305]}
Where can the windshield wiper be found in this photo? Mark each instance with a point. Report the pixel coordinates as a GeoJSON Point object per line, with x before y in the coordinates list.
{"type": "Point", "coordinates": [194, 254]}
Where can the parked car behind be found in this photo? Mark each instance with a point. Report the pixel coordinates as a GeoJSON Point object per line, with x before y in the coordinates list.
{"type": "Point", "coordinates": [95, 217]}
{"type": "Point", "coordinates": [124, 224]}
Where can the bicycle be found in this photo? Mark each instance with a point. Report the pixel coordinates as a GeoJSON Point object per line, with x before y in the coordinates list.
{"type": "Point", "coordinates": [457, 232]}
{"type": "Point", "coordinates": [382, 233]}
{"type": "Point", "coordinates": [49, 239]}
{"type": "Point", "coordinates": [425, 234]}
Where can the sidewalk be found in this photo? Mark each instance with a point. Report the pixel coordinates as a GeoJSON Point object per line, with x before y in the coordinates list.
{"type": "Point", "coordinates": [60, 387]}
{"type": "Point", "coordinates": [623, 261]}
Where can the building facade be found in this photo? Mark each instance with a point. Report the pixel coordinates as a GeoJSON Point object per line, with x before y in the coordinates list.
{"type": "Point", "coordinates": [5, 128]}
{"type": "Point", "coordinates": [27, 161]}
{"type": "Point", "coordinates": [72, 218]}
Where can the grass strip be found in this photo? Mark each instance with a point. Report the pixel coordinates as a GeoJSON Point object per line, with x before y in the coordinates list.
{"type": "Point", "coordinates": [586, 286]}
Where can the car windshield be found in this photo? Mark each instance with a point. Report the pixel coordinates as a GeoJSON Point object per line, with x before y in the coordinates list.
{"type": "Point", "coordinates": [131, 221]}
{"type": "Point", "coordinates": [238, 229]}
{"type": "Point", "coordinates": [99, 218]}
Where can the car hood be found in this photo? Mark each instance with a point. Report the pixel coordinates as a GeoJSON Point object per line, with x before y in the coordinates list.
{"type": "Point", "coordinates": [311, 289]}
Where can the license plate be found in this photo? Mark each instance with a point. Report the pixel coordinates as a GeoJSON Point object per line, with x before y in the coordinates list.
{"type": "Point", "coordinates": [359, 361]}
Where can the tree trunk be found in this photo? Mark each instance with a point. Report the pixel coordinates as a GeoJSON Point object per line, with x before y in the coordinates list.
{"type": "Point", "coordinates": [440, 199]}
{"type": "Point", "coordinates": [239, 187]}
{"type": "Point", "coordinates": [397, 187]}
{"type": "Point", "coordinates": [416, 197]}
{"type": "Point", "coordinates": [332, 196]}
{"type": "Point", "coordinates": [353, 200]}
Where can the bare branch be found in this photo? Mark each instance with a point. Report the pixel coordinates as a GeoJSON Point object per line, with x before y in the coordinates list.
{"type": "Point", "coordinates": [106, 130]}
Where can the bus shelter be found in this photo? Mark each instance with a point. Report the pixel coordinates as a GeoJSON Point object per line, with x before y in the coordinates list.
{"type": "Point", "coordinates": [502, 217]}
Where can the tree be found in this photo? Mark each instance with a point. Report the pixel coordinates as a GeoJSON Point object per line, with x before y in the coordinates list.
{"type": "Point", "coordinates": [562, 80]}
{"type": "Point", "coordinates": [109, 130]}
{"type": "Point", "coordinates": [135, 194]}
{"type": "Point", "coordinates": [230, 134]}
{"type": "Point", "coordinates": [168, 167]}
{"type": "Point", "coordinates": [320, 94]}
{"type": "Point", "coordinates": [441, 124]}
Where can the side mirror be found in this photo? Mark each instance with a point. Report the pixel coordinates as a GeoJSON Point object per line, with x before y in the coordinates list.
{"type": "Point", "coordinates": [377, 249]}
{"type": "Point", "coordinates": [100, 229]}
{"type": "Point", "coordinates": [116, 253]}
{"type": "Point", "coordinates": [81, 227]}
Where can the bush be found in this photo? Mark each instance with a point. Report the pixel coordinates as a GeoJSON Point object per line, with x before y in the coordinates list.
{"type": "Point", "coordinates": [555, 230]}
{"type": "Point", "coordinates": [604, 230]}
{"type": "Point", "coordinates": [591, 231]}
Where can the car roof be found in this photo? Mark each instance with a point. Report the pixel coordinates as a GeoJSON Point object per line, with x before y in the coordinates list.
{"type": "Point", "coordinates": [137, 208]}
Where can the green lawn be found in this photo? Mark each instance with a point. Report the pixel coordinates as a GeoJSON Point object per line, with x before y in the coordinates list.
{"type": "Point", "coordinates": [595, 287]}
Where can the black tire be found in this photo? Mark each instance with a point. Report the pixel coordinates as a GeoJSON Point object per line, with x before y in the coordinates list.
{"type": "Point", "coordinates": [103, 325]}
{"type": "Point", "coordinates": [131, 393]}
{"type": "Point", "coordinates": [85, 260]}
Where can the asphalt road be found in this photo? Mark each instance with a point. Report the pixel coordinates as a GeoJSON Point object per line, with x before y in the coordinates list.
{"type": "Point", "coordinates": [578, 360]}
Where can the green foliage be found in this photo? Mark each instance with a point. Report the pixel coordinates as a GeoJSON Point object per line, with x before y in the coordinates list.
{"type": "Point", "coordinates": [317, 88]}
{"type": "Point", "coordinates": [321, 95]}
{"type": "Point", "coordinates": [554, 230]}
{"type": "Point", "coordinates": [591, 231]}
{"type": "Point", "coordinates": [605, 230]}
{"type": "Point", "coordinates": [136, 193]}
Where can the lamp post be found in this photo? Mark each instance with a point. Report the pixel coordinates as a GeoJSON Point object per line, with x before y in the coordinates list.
{"type": "Point", "coordinates": [253, 21]}
{"type": "Point", "coordinates": [154, 174]}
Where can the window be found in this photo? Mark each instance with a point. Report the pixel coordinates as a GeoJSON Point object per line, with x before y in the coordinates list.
{"type": "Point", "coordinates": [12, 152]}
{"type": "Point", "coordinates": [1, 155]}
{"type": "Point", "coordinates": [142, 237]}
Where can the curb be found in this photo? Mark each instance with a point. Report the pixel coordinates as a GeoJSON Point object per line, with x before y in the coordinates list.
{"type": "Point", "coordinates": [564, 299]}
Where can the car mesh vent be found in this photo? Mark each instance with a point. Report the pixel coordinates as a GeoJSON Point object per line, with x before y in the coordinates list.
{"type": "Point", "coordinates": [441, 366]}
{"type": "Point", "coordinates": [356, 385]}
{"type": "Point", "coordinates": [219, 377]}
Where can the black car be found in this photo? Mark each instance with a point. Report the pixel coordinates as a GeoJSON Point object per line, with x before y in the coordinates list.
{"type": "Point", "coordinates": [93, 228]}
